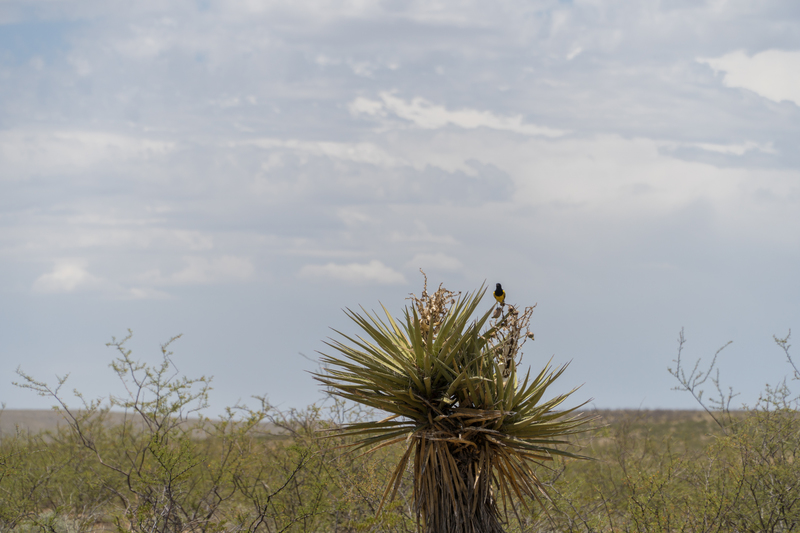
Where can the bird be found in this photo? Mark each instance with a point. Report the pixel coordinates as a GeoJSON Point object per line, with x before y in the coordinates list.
{"type": "Point", "coordinates": [500, 294]}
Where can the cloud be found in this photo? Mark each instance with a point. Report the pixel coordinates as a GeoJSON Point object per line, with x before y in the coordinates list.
{"type": "Point", "coordinates": [773, 74]}
{"type": "Point", "coordinates": [427, 115]}
{"type": "Point", "coordinates": [354, 218]}
{"type": "Point", "coordinates": [362, 152]}
{"type": "Point", "coordinates": [372, 272]}
{"type": "Point", "coordinates": [72, 275]}
{"type": "Point", "coordinates": [142, 293]}
{"type": "Point", "coordinates": [348, 177]}
{"type": "Point", "coordinates": [421, 235]}
{"type": "Point", "coordinates": [575, 53]}
{"type": "Point", "coordinates": [204, 271]}
{"type": "Point", "coordinates": [67, 276]}
{"type": "Point", "coordinates": [737, 149]}
{"type": "Point", "coordinates": [227, 147]}
{"type": "Point", "coordinates": [102, 232]}
{"type": "Point", "coordinates": [438, 261]}
{"type": "Point", "coordinates": [25, 152]}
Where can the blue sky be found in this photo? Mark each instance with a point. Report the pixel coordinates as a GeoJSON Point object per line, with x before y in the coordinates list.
{"type": "Point", "coordinates": [241, 171]}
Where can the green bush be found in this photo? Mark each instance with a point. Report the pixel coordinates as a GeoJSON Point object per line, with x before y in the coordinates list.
{"type": "Point", "coordinates": [719, 470]}
{"type": "Point", "coordinates": [148, 460]}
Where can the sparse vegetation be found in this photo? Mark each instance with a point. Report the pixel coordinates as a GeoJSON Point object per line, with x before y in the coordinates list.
{"type": "Point", "coordinates": [147, 460]}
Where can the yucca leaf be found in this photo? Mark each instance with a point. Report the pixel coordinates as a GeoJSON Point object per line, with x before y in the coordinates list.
{"type": "Point", "coordinates": [469, 427]}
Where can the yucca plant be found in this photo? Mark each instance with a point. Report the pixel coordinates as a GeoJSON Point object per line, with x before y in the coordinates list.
{"type": "Point", "coordinates": [449, 383]}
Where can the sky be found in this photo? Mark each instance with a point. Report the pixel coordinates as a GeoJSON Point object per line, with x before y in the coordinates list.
{"type": "Point", "coordinates": [240, 172]}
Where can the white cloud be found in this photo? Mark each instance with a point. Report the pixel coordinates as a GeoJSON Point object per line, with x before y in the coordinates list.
{"type": "Point", "coordinates": [601, 176]}
{"type": "Point", "coordinates": [589, 204]}
{"type": "Point", "coordinates": [372, 272]}
{"type": "Point", "coordinates": [438, 260]}
{"type": "Point", "coordinates": [354, 218]}
{"type": "Point", "coordinates": [23, 153]}
{"type": "Point", "coordinates": [365, 106]}
{"type": "Point", "coordinates": [67, 276]}
{"type": "Point", "coordinates": [426, 115]}
{"type": "Point", "coordinates": [773, 74]}
{"type": "Point", "coordinates": [737, 149]}
{"type": "Point", "coordinates": [325, 61]}
{"type": "Point", "coordinates": [72, 275]}
{"type": "Point", "coordinates": [146, 42]}
{"type": "Point", "coordinates": [75, 235]}
{"type": "Point", "coordinates": [362, 152]}
{"type": "Point", "coordinates": [422, 234]}
{"type": "Point", "coordinates": [142, 293]}
{"type": "Point", "coordinates": [203, 271]}
{"type": "Point", "coordinates": [364, 69]}
{"type": "Point", "coordinates": [575, 53]}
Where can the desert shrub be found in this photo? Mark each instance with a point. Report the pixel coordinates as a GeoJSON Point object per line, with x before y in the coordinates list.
{"type": "Point", "coordinates": [717, 470]}
{"type": "Point", "coordinates": [148, 460]}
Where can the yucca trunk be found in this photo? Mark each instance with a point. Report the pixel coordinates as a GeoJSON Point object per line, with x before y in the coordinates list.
{"type": "Point", "coordinates": [440, 508]}
{"type": "Point", "coordinates": [472, 430]}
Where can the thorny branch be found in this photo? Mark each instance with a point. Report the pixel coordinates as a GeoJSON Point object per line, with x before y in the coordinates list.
{"type": "Point", "coordinates": [692, 382]}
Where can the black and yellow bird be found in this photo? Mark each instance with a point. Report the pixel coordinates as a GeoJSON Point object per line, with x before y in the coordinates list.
{"type": "Point", "coordinates": [500, 294]}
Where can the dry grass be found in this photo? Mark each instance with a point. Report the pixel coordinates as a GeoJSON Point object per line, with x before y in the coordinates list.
{"type": "Point", "coordinates": [33, 421]}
